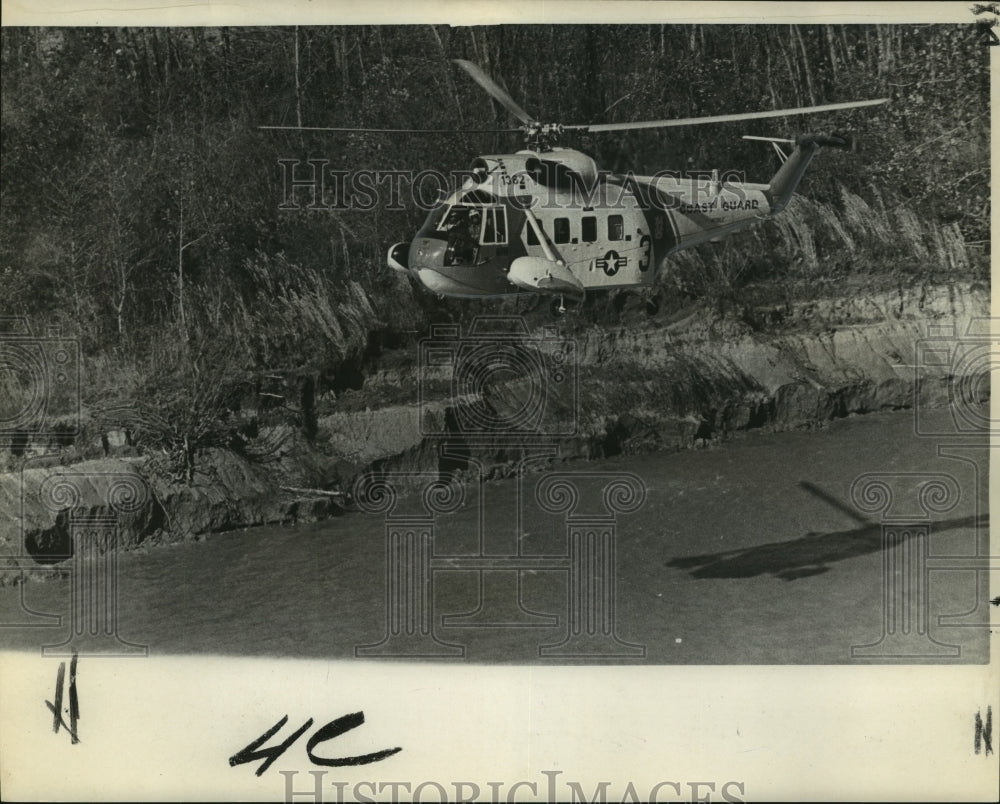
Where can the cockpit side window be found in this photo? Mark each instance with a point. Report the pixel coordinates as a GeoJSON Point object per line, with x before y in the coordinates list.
{"type": "Point", "coordinates": [501, 219]}
{"type": "Point", "coordinates": [495, 226]}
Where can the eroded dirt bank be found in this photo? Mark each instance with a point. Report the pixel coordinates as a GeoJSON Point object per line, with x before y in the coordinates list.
{"type": "Point", "coordinates": [637, 387]}
{"type": "Point", "coordinates": [651, 386]}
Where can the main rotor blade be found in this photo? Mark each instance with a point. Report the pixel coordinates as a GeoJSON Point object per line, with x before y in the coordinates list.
{"type": "Point", "coordinates": [494, 90]}
{"type": "Point", "coordinates": [724, 118]}
{"type": "Point", "coordinates": [393, 130]}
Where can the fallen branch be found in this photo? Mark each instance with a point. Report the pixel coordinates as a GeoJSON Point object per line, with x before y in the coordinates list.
{"type": "Point", "coordinates": [313, 491]}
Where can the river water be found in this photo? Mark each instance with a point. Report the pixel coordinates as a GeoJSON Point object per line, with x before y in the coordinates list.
{"type": "Point", "coordinates": [748, 552]}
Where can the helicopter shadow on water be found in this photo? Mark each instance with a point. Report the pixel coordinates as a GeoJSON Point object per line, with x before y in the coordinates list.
{"type": "Point", "coordinates": [808, 555]}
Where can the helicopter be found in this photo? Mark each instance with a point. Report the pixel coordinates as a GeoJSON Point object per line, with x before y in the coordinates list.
{"type": "Point", "coordinates": [546, 220]}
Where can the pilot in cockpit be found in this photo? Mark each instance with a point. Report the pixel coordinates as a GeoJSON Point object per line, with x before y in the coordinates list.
{"type": "Point", "coordinates": [475, 220]}
{"type": "Point", "coordinates": [463, 226]}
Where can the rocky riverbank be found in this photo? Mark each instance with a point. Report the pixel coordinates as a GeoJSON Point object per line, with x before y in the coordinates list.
{"type": "Point", "coordinates": [641, 385]}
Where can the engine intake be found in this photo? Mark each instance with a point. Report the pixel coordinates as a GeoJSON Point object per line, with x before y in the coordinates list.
{"type": "Point", "coordinates": [561, 166]}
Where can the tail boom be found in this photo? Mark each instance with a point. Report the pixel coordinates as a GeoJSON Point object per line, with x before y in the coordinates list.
{"type": "Point", "coordinates": [786, 180]}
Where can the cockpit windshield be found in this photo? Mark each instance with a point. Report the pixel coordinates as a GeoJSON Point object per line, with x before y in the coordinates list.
{"type": "Point", "coordinates": [463, 215]}
{"type": "Point", "coordinates": [462, 226]}
{"type": "Point", "coordinates": [466, 227]}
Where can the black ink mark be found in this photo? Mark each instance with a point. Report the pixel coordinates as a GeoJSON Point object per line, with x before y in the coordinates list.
{"type": "Point", "coordinates": [331, 730]}
{"type": "Point", "coordinates": [992, 8]}
{"type": "Point", "coordinates": [74, 701]}
{"type": "Point", "coordinates": [984, 732]}
{"type": "Point", "coordinates": [996, 601]}
{"type": "Point", "coordinates": [269, 755]}
{"type": "Point", "coordinates": [334, 729]}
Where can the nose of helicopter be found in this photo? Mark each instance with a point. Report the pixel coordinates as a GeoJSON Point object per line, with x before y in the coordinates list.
{"type": "Point", "coordinates": [426, 254]}
{"type": "Point", "coordinates": [427, 262]}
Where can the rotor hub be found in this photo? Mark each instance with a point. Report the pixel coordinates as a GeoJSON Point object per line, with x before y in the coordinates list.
{"type": "Point", "coordinates": [541, 136]}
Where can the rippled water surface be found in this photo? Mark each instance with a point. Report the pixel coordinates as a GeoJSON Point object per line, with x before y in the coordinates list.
{"type": "Point", "coordinates": [751, 552]}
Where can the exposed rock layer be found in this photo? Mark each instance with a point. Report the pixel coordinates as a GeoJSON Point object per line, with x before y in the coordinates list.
{"type": "Point", "coordinates": [638, 387]}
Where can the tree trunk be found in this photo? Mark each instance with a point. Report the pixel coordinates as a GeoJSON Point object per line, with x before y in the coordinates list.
{"type": "Point", "coordinates": [180, 272]}
{"type": "Point", "coordinates": [451, 83]}
{"type": "Point", "coordinates": [298, 85]}
{"type": "Point", "coordinates": [791, 71]}
{"type": "Point", "coordinates": [833, 53]}
{"type": "Point", "coordinates": [475, 47]}
{"type": "Point", "coordinates": [805, 63]}
{"type": "Point", "coordinates": [770, 78]}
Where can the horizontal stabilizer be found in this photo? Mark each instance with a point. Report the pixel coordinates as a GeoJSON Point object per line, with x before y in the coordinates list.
{"type": "Point", "coordinates": [827, 141]}
{"type": "Point", "coordinates": [769, 139]}
{"type": "Point", "coordinates": [823, 140]}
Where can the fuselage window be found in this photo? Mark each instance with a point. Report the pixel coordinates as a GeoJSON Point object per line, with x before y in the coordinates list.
{"type": "Point", "coordinates": [562, 230]}
{"type": "Point", "coordinates": [616, 227]}
{"type": "Point", "coordinates": [589, 229]}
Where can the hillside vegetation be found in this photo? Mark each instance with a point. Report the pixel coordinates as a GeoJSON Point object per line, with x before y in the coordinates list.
{"type": "Point", "coordinates": [141, 203]}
